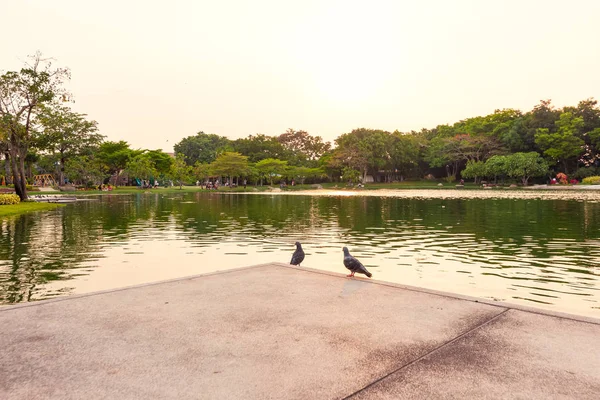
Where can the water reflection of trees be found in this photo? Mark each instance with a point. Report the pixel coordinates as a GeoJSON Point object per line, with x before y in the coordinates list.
{"type": "Point", "coordinates": [39, 248]}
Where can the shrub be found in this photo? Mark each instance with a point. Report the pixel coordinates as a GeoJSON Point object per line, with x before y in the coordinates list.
{"type": "Point", "coordinates": [592, 180]}
{"type": "Point", "coordinates": [561, 178]}
{"type": "Point", "coordinates": [6, 199]}
{"type": "Point", "coordinates": [585, 172]}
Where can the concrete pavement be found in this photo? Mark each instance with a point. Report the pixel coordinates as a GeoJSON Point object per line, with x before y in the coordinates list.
{"type": "Point", "coordinates": [279, 332]}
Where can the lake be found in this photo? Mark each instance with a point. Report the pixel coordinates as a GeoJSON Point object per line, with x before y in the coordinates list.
{"type": "Point", "coordinates": [531, 251]}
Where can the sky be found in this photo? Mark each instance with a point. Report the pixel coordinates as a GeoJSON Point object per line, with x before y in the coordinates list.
{"type": "Point", "coordinates": [154, 72]}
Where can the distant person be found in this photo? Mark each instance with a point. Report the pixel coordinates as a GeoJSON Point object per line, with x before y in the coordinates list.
{"type": "Point", "coordinates": [245, 184]}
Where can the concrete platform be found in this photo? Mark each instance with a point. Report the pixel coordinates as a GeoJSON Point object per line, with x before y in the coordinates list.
{"type": "Point", "coordinates": [280, 332]}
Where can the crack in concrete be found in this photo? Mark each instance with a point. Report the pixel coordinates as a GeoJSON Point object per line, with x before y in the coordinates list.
{"type": "Point", "coordinates": [416, 360]}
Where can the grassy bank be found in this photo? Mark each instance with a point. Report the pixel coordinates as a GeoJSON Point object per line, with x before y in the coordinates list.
{"type": "Point", "coordinates": [22, 208]}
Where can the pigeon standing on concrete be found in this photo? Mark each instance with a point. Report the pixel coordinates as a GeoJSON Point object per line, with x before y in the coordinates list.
{"type": "Point", "coordinates": [298, 255]}
{"type": "Point", "coordinates": [354, 265]}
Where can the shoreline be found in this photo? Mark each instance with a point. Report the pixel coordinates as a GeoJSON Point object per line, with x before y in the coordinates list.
{"type": "Point", "coordinates": [442, 193]}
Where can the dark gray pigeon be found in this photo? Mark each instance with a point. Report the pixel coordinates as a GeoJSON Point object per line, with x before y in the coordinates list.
{"type": "Point", "coordinates": [298, 255]}
{"type": "Point", "coordinates": [354, 265]}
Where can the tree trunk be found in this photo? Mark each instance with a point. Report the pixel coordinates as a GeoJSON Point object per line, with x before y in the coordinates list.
{"type": "Point", "coordinates": [18, 172]}
{"type": "Point", "coordinates": [7, 174]}
{"type": "Point", "coordinates": [61, 175]}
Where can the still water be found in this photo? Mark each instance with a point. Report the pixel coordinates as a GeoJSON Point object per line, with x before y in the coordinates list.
{"type": "Point", "coordinates": [542, 253]}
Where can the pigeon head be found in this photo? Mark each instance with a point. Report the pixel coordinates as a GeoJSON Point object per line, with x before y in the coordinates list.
{"type": "Point", "coordinates": [346, 252]}
{"type": "Point", "coordinates": [298, 245]}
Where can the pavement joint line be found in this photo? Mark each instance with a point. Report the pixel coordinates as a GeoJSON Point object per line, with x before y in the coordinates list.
{"type": "Point", "coordinates": [416, 360]}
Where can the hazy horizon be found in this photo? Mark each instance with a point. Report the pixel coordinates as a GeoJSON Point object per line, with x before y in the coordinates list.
{"type": "Point", "coordinates": [152, 73]}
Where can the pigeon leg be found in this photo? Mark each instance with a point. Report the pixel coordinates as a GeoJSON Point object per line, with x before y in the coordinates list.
{"type": "Point", "coordinates": [351, 275]}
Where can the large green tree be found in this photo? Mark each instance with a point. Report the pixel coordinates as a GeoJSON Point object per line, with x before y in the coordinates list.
{"type": "Point", "coordinates": [525, 166]}
{"type": "Point", "coordinates": [563, 146]}
{"type": "Point", "coordinates": [180, 171]}
{"type": "Point", "coordinates": [85, 169]}
{"type": "Point", "coordinates": [66, 134]}
{"type": "Point", "coordinates": [302, 148]}
{"type": "Point", "coordinates": [259, 147]}
{"type": "Point", "coordinates": [270, 168]}
{"type": "Point", "coordinates": [22, 95]}
{"type": "Point", "coordinates": [142, 167]}
{"type": "Point", "coordinates": [115, 156]}
{"type": "Point", "coordinates": [202, 147]}
{"type": "Point", "coordinates": [230, 164]}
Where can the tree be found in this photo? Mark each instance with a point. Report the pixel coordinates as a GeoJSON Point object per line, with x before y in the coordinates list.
{"type": "Point", "coordinates": [351, 175]}
{"type": "Point", "coordinates": [302, 148]}
{"type": "Point", "coordinates": [304, 172]}
{"type": "Point", "coordinates": [180, 171]}
{"type": "Point", "coordinates": [526, 165]}
{"type": "Point", "coordinates": [444, 151]}
{"type": "Point", "coordinates": [259, 147]}
{"type": "Point", "coordinates": [497, 166]}
{"type": "Point", "coordinates": [141, 166]}
{"type": "Point", "coordinates": [201, 171]}
{"type": "Point", "coordinates": [85, 169]}
{"type": "Point", "coordinates": [230, 164]}
{"type": "Point", "coordinates": [363, 149]}
{"type": "Point", "coordinates": [67, 134]}
{"type": "Point", "coordinates": [202, 147]}
{"type": "Point", "coordinates": [563, 145]}
{"type": "Point", "coordinates": [404, 153]}
{"type": "Point", "coordinates": [22, 94]}
{"type": "Point", "coordinates": [115, 156]}
{"type": "Point", "coordinates": [270, 168]}
{"type": "Point", "coordinates": [160, 160]}
{"type": "Point", "coordinates": [474, 169]}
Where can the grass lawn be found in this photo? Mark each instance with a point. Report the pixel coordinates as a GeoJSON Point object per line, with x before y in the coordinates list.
{"type": "Point", "coordinates": [21, 208]}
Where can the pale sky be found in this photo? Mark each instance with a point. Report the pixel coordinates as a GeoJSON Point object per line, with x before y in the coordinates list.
{"type": "Point", "coordinates": [154, 72]}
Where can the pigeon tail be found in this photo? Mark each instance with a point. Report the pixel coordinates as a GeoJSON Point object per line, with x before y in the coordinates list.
{"type": "Point", "coordinates": [368, 274]}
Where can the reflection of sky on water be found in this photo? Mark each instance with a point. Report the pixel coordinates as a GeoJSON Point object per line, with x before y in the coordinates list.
{"type": "Point", "coordinates": [542, 253]}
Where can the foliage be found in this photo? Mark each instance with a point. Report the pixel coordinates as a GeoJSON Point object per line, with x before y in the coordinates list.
{"type": "Point", "coordinates": [202, 147]}
{"type": "Point", "coordinates": [6, 199]}
{"type": "Point", "coordinates": [201, 171]}
{"type": "Point", "coordinates": [66, 134]}
{"type": "Point", "coordinates": [259, 147]}
{"type": "Point", "coordinates": [160, 160]}
{"type": "Point", "coordinates": [564, 144]}
{"type": "Point", "coordinates": [230, 164]}
{"type": "Point", "coordinates": [85, 169]}
{"type": "Point", "coordinates": [474, 169]}
{"type": "Point", "coordinates": [302, 148]}
{"type": "Point", "coordinates": [497, 166]}
{"type": "Point", "coordinates": [22, 96]}
{"type": "Point", "coordinates": [142, 167]}
{"type": "Point", "coordinates": [116, 155]}
{"type": "Point", "coordinates": [350, 175]}
{"type": "Point", "coordinates": [584, 172]}
{"type": "Point", "coordinates": [562, 178]}
{"type": "Point", "coordinates": [525, 166]}
{"type": "Point", "coordinates": [180, 171]}
{"type": "Point", "coordinates": [303, 172]}
{"type": "Point", "coordinates": [591, 180]}
{"type": "Point", "coordinates": [270, 168]}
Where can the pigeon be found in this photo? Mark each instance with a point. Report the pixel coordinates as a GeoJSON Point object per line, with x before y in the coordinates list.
{"type": "Point", "coordinates": [354, 265]}
{"type": "Point", "coordinates": [298, 255]}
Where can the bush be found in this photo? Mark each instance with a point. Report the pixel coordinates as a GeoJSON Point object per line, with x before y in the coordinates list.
{"type": "Point", "coordinates": [591, 180]}
{"type": "Point", "coordinates": [6, 199]}
{"type": "Point", "coordinates": [585, 172]}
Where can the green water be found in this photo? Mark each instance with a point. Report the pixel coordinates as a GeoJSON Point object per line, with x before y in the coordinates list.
{"type": "Point", "coordinates": [542, 253]}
